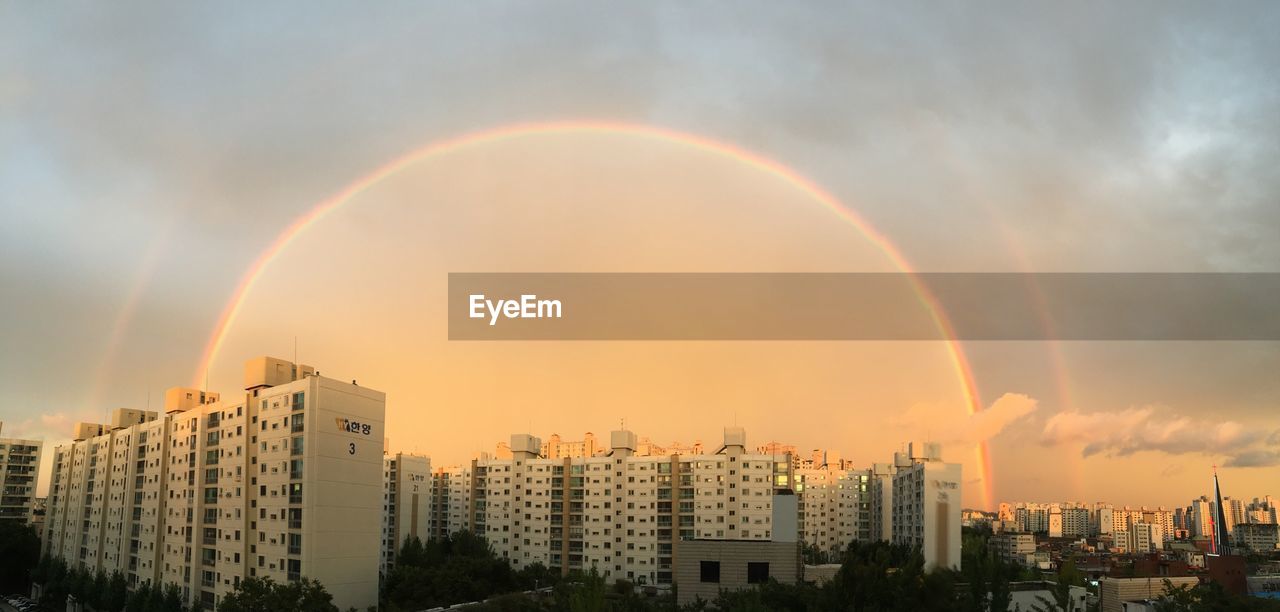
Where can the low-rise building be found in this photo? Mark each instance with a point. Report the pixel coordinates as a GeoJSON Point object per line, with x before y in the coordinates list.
{"type": "Point", "coordinates": [1257, 537]}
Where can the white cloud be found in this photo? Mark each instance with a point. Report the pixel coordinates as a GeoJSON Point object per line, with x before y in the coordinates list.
{"type": "Point", "coordinates": [951, 426]}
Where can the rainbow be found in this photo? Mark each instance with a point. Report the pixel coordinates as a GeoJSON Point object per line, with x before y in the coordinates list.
{"type": "Point", "coordinates": [973, 402]}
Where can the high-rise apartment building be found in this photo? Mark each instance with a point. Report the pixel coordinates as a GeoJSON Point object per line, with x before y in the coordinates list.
{"type": "Point", "coordinates": [834, 507]}
{"type": "Point", "coordinates": [619, 512]}
{"type": "Point", "coordinates": [282, 482]}
{"type": "Point", "coordinates": [1075, 521]}
{"type": "Point", "coordinates": [450, 500]}
{"type": "Point", "coordinates": [1145, 537]}
{"type": "Point", "coordinates": [406, 503]}
{"type": "Point", "coordinates": [1234, 511]}
{"type": "Point", "coordinates": [926, 504]}
{"type": "Point", "coordinates": [1261, 511]}
{"type": "Point", "coordinates": [19, 470]}
{"type": "Point", "coordinates": [880, 488]}
{"type": "Point", "coordinates": [1201, 515]}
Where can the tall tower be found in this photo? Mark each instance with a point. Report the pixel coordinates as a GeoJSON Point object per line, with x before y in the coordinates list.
{"type": "Point", "coordinates": [1221, 538]}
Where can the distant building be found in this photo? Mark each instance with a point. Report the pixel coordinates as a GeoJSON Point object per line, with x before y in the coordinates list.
{"type": "Point", "coordinates": [1017, 548]}
{"type": "Point", "coordinates": [406, 503]}
{"type": "Point", "coordinates": [450, 500]}
{"type": "Point", "coordinates": [1262, 537]}
{"type": "Point", "coordinates": [626, 515]}
{"type": "Point", "coordinates": [1200, 514]}
{"type": "Point", "coordinates": [19, 469]}
{"type": "Point", "coordinates": [1145, 537]}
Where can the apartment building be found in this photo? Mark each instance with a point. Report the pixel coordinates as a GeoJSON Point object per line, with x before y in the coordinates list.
{"type": "Point", "coordinates": [1257, 537]}
{"type": "Point", "coordinates": [1145, 537]}
{"type": "Point", "coordinates": [450, 500]}
{"type": "Point", "coordinates": [926, 504]}
{"type": "Point", "coordinates": [19, 470]}
{"type": "Point", "coordinates": [1201, 514]}
{"type": "Point", "coordinates": [1014, 547]}
{"type": "Point", "coordinates": [282, 482]}
{"type": "Point", "coordinates": [621, 513]}
{"type": "Point", "coordinates": [834, 507]}
{"type": "Point", "coordinates": [880, 508]}
{"type": "Point", "coordinates": [406, 503]}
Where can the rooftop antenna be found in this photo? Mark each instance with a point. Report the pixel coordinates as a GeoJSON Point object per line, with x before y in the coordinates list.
{"type": "Point", "coordinates": [295, 350]}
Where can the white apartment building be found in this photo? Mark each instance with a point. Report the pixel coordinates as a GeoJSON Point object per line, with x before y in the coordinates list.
{"type": "Point", "coordinates": [834, 506]}
{"type": "Point", "coordinates": [1262, 511]}
{"type": "Point", "coordinates": [618, 512]}
{"type": "Point", "coordinates": [1145, 537]}
{"type": "Point", "coordinates": [1201, 515]}
{"type": "Point", "coordinates": [450, 500]}
{"type": "Point", "coordinates": [281, 483]}
{"type": "Point", "coordinates": [406, 503]}
{"type": "Point", "coordinates": [19, 470]}
{"type": "Point", "coordinates": [927, 503]}
{"type": "Point", "coordinates": [880, 508]}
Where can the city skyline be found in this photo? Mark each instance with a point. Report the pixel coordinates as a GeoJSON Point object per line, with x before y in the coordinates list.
{"type": "Point", "coordinates": [189, 187]}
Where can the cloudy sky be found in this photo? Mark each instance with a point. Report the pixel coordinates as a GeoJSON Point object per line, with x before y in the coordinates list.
{"type": "Point", "coordinates": [149, 153]}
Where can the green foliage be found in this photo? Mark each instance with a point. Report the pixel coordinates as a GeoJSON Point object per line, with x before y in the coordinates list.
{"type": "Point", "coordinates": [19, 552]}
{"type": "Point", "coordinates": [1060, 593]}
{"type": "Point", "coordinates": [1209, 598]}
{"type": "Point", "coordinates": [266, 595]}
{"type": "Point", "coordinates": [263, 594]}
{"type": "Point", "coordinates": [458, 569]}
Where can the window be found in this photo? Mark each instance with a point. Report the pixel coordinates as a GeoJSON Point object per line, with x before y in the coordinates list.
{"type": "Point", "coordinates": [710, 571]}
{"type": "Point", "coordinates": [757, 572]}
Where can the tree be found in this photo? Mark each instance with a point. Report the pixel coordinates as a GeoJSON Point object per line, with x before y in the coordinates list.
{"type": "Point", "coordinates": [117, 593]}
{"type": "Point", "coordinates": [266, 595]}
{"type": "Point", "coordinates": [459, 569]}
{"type": "Point", "coordinates": [19, 552]}
{"type": "Point", "coordinates": [1060, 593]}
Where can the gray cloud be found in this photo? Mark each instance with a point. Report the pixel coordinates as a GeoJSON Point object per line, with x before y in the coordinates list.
{"type": "Point", "coordinates": [1123, 433]}
{"type": "Point", "coordinates": [1135, 136]}
{"type": "Point", "coordinates": [1254, 458]}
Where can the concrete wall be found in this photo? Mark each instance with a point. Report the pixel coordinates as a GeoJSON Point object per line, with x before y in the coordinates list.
{"type": "Point", "coordinates": [783, 559]}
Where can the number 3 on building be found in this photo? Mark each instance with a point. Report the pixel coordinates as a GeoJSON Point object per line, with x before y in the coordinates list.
{"type": "Point", "coordinates": [351, 448]}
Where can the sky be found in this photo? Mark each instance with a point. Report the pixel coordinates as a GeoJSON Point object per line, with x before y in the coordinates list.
{"type": "Point", "coordinates": [150, 153]}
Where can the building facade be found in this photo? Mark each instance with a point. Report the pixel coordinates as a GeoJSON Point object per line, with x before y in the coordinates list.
{"type": "Point", "coordinates": [926, 504]}
{"type": "Point", "coordinates": [406, 503]}
{"type": "Point", "coordinates": [19, 470]}
{"type": "Point", "coordinates": [834, 507]}
{"type": "Point", "coordinates": [282, 482]}
{"type": "Point", "coordinates": [619, 512]}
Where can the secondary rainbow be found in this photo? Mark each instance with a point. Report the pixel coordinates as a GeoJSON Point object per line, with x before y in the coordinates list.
{"type": "Point", "coordinates": [972, 397]}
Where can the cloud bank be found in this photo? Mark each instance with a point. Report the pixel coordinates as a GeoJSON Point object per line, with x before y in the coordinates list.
{"type": "Point", "coordinates": [1149, 428]}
